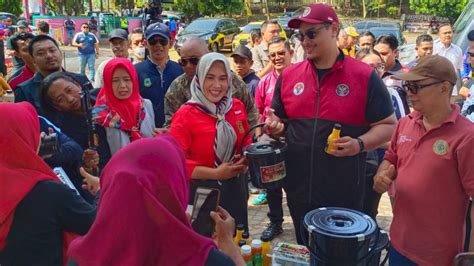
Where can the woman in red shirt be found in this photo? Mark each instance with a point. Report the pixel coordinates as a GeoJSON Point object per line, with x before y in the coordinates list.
{"type": "Point", "coordinates": [210, 127]}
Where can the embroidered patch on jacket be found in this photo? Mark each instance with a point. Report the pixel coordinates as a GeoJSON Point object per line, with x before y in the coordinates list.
{"type": "Point", "coordinates": [342, 90]}
{"type": "Point", "coordinates": [440, 147]}
{"type": "Point", "coordinates": [298, 88]}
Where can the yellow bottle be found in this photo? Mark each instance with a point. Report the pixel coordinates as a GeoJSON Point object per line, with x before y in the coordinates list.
{"type": "Point", "coordinates": [266, 250]}
{"type": "Point", "coordinates": [239, 233]}
{"type": "Point", "coordinates": [335, 134]}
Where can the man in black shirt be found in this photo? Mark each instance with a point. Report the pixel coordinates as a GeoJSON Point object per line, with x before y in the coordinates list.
{"type": "Point", "coordinates": [313, 96]}
{"type": "Point", "coordinates": [48, 59]}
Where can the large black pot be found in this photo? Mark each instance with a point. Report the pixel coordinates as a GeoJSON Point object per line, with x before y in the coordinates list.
{"type": "Point", "coordinates": [267, 167]}
{"type": "Point", "coordinates": [267, 163]}
{"type": "Point", "coordinates": [339, 236]}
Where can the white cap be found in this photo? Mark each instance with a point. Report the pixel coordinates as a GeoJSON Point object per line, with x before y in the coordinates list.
{"type": "Point", "coordinates": [257, 243]}
{"type": "Point", "coordinates": [246, 249]}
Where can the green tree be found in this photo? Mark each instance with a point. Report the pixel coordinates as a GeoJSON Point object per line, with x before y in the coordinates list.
{"type": "Point", "coordinates": [196, 8]}
{"type": "Point", "coordinates": [12, 6]}
{"type": "Point", "coordinates": [444, 8]}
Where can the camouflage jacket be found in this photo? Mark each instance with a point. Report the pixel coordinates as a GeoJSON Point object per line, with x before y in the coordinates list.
{"type": "Point", "coordinates": [179, 93]}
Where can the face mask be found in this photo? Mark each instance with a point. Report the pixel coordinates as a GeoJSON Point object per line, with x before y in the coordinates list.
{"type": "Point", "coordinates": [139, 52]}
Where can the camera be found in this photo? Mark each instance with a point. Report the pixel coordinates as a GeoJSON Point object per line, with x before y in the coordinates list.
{"type": "Point", "coordinates": [49, 145]}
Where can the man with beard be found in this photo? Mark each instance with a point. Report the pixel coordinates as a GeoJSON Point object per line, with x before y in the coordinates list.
{"type": "Point", "coordinates": [47, 58]}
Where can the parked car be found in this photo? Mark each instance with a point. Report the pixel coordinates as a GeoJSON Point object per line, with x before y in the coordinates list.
{"type": "Point", "coordinates": [284, 23]}
{"type": "Point", "coordinates": [243, 36]}
{"type": "Point", "coordinates": [367, 25]}
{"type": "Point", "coordinates": [217, 32]}
{"type": "Point", "coordinates": [464, 24]}
{"type": "Point", "coordinates": [378, 31]}
{"type": "Point", "coordinates": [13, 17]}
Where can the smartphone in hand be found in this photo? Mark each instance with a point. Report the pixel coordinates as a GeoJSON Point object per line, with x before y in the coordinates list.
{"type": "Point", "coordinates": [205, 201]}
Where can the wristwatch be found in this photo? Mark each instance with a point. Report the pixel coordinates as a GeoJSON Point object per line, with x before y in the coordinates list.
{"type": "Point", "coordinates": [361, 144]}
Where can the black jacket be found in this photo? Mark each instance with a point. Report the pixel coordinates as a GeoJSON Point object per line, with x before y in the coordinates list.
{"type": "Point", "coordinates": [29, 90]}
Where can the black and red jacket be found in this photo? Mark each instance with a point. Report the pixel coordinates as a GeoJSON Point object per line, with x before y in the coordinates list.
{"type": "Point", "coordinates": [351, 94]}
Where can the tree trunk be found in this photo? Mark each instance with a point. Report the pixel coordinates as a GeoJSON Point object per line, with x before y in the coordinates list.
{"type": "Point", "coordinates": [266, 9]}
{"type": "Point", "coordinates": [90, 6]}
{"type": "Point", "coordinates": [400, 8]}
{"type": "Point", "coordinates": [364, 9]}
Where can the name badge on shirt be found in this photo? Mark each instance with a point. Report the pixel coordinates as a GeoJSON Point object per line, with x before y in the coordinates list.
{"type": "Point", "coordinates": [240, 126]}
{"type": "Point", "coordinates": [147, 82]}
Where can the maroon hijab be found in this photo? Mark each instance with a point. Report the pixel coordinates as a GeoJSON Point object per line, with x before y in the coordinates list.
{"type": "Point", "coordinates": [141, 218]}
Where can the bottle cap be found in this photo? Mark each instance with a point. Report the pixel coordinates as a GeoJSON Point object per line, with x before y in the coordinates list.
{"type": "Point", "coordinates": [337, 126]}
{"type": "Point", "coordinates": [240, 227]}
{"type": "Point", "coordinates": [242, 242]}
{"type": "Point", "coordinates": [257, 243]}
{"type": "Point", "coordinates": [246, 235]}
{"type": "Point", "coordinates": [265, 238]}
{"type": "Point", "coordinates": [246, 249]}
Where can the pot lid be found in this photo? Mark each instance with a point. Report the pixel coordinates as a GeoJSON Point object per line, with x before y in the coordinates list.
{"type": "Point", "coordinates": [340, 222]}
{"type": "Point", "coordinates": [265, 147]}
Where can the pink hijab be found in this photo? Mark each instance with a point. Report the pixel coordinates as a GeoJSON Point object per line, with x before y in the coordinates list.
{"type": "Point", "coordinates": [141, 216]}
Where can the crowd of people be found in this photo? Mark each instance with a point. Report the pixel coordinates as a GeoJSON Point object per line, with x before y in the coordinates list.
{"type": "Point", "coordinates": [140, 135]}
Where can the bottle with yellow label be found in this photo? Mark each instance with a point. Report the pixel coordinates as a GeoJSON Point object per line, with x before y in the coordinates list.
{"type": "Point", "coordinates": [239, 233]}
{"type": "Point", "coordinates": [335, 134]}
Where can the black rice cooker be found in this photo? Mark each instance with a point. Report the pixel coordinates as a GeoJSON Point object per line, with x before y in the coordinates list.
{"type": "Point", "coordinates": [267, 163]}
{"type": "Point", "coordinates": [339, 236]}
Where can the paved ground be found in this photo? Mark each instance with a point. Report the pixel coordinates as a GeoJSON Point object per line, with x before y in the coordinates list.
{"type": "Point", "coordinates": [257, 214]}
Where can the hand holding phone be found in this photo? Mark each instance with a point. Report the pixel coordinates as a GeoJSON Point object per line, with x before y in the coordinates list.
{"type": "Point", "coordinates": [225, 224]}
{"type": "Point", "coordinates": [206, 201]}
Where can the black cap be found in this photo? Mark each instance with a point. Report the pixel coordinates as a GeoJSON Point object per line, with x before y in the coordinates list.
{"type": "Point", "coordinates": [118, 33]}
{"type": "Point", "coordinates": [157, 29]}
{"type": "Point", "coordinates": [242, 51]}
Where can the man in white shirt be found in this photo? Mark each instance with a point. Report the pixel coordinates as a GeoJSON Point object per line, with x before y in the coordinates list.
{"type": "Point", "coordinates": [452, 52]}
{"type": "Point", "coordinates": [261, 63]}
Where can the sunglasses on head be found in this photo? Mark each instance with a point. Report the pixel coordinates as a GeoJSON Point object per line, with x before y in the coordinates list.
{"type": "Point", "coordinates": [192, 60]}
{"type": "Point", "coordinates": [470, 54]}
{"type": "Point", "coordinates": [279, 53]}
{"type": "Point", "coordinates": [154, 41]}
{"type": "Point", "coordinates": [415, 87]}
{"type": "Point", "coordinates": [310, 34]}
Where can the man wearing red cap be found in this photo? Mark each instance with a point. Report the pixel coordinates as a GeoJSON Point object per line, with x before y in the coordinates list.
{"type": "Point", "coordinates": [430, 157]}
{"type": "Point", "coordinates": [309, 99]}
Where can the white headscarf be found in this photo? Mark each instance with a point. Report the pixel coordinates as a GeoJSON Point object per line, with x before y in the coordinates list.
{"type": "Point", "coordinates": [224, 143]}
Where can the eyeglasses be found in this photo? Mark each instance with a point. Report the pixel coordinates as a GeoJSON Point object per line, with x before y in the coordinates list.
{"type": "Point", "coordinates": [415, 87]}
{"type": "Point", "coordinates": [85, 27]}
{"type": "Point", "coordinates": [470, 54]}
{"type": "Point", "coordinates": [192, 60]}
{"type": "Point", "coordinates": [279, 53]}
{"type": "Point", "coordinates": [311, 34]}
{"type": "Point", "coordinates": [163, 42]}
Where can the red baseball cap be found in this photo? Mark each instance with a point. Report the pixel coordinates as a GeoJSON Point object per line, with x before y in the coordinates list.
{"type": "Point", "coordinates": [315, 14]}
